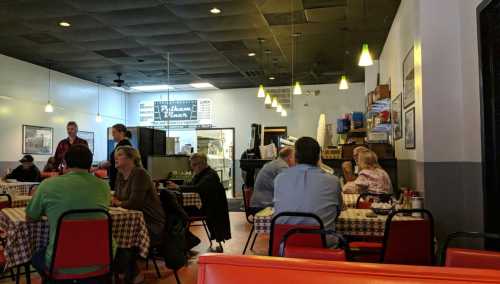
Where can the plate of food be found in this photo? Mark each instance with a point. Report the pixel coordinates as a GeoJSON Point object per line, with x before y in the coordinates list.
{"type": "Point", "coordinates": [380, 208]}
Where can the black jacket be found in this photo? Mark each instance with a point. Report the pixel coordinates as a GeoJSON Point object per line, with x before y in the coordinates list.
{"type": "Point", "coordinates": [214, 203]}
{"type": "Point", "coordinates": [25, 175]}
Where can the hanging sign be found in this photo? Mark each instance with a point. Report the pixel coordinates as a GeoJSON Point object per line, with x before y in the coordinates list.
{"type": "Point", "coordinates": [177, 114]}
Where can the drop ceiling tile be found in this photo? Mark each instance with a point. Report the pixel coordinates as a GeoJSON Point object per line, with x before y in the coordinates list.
{"type": "Point", "coordinates": [186, 38]}
{"type": "Point", "coordinates": [36, 9]}
{"type": "Point", "coordinates": [236, 35]}
{"type": "Point", "coordinates": [120, 43]}
{"type": "Point", "coordinates": [231, 8]}
{"type": "Point", "coordinates": [184, 48]}
{"type": "Point", "coordinates": [153, 29]}
{"type": "Point", "coordinates": [107, 6]}
{"type": "Point", "coordinates": [153, 15]}
{"type": "Point", "coordinates": [89, 35]}
{"type": "Point", "coordinates": [225, 23]}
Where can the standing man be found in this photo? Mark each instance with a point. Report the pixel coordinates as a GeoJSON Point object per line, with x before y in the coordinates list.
{"type": "Point", "coordinates": [264, 185]}
{"type": "Point", "coordinates": [65, 144]}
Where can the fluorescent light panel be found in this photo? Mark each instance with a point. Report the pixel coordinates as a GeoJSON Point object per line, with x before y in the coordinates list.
{"type": "Point", "coordinates": [201, 85]}
{"type": "Point", "coordinates": [152, 88]}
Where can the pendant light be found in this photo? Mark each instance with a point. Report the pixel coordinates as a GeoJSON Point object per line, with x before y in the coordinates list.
{"type": "Point", "coordinates": [343, 85]}
{"type": "Point", "coordinates": [48, 107]}
{"type": "Point", "coordinates": [98, 117]}
{"type": "Point", "coordinates": [275, 102]}
{"type": "Point", "coordinates": [261, 93]}
{"type": "Point", "coordinates": [283, 113]}
{"type": "Point", "coordinates": [279, 108]}
{"type": "Point", "coordinates": [268, 99]}
{"type": "Point", "coordinates": [297, 89]}
{"type": "Point", "coordinates": [365, 59]}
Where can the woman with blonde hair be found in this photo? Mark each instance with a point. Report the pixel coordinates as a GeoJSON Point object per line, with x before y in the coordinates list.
{"type": "Point", "coordinates": [371, 177]}
{"type": "Point", "coordinates": [135, 190]}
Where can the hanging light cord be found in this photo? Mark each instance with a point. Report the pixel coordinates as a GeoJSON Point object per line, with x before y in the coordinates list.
{"type": "Point", "coordinates": [50, 80]}
{"type": "Point", "coordinates": [168, 94]}
{"type": "Point", "coordinates": [293, 44]}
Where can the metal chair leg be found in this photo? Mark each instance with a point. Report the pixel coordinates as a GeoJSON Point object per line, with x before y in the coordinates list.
{"type": "Point", "coordinates": [177, 277]}
{"type": "Point", "coordinates": [206, 231]}
{"type": "Point", "coordinates": [27, 272]}
{"type": "Point", "coordinates": [156, 268]}
{"type": "Point", "coordinates": [248, 240]}
{"type": "Point", "coordinates": [253, 242]}
{"type": "Point", "coordinates": [18, 274]}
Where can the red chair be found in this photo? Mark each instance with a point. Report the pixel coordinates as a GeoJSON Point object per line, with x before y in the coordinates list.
{"type": "Point", "coordinates": [101, 173]}
{"type": "Point", "coordinates": [81, 243]}
{"type": "Point", "coordinates": [278, 231]}
{"type": "Point", "coordinates": [250, 215]}
{"type": "Point", "coordinates": [469, 258]}
{"type": "Point", "coordinates": [45, 175]}
{"type": "Point", "coordinates": [324, 253]}
{"type": "Point", "coordinates": [405, 242]}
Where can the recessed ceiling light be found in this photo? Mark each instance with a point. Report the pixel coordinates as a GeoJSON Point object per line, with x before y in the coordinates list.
{"type": "Point", "coordinates": [251, 54]}
{"type": "Point", "coordinates": [201, 85]}
{"type": "Point", "coordinates": [64, 24]}
{"type": "Point", "coordinates": [215, 10]}
{"type": "Point", "coordinates": [272, 77]}
{"type": "Point", "coordinates": [152, 88]}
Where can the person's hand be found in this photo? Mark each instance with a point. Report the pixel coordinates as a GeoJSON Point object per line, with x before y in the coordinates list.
{"type": "Point", "coordinates": [171, 185]}
{"type": "Point", "coordinates": [115, 202]}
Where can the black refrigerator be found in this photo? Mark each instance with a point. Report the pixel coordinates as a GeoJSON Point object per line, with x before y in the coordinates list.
{"type": "Point", "coordinates": [149, 142]}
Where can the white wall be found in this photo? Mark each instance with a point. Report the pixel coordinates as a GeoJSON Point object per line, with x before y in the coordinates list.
{"type": "Point", "coordinates": [26, 85]}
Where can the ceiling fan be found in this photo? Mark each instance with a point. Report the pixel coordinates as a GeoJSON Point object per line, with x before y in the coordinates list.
{"type": "Point", "coordinates": [120, 83]}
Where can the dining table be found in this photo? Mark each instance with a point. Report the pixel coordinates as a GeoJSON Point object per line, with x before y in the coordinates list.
{"type": "Point", "coordinates": [350, 222]}
{"type": "Point", "coordinates": [23, 238]}
{"type": "Point", "coordinates": [350, 199]}
{"type": "Point", "coordinates": [21, 188]}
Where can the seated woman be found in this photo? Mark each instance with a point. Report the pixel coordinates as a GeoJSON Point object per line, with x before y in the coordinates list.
{"type": "Point", "coordinates": [371, 177]}
{"type": "Point", "coordinates": [134, 189]}
{"type": "Point", "coordinates": [350, 172]}
{"type": "Point", "coordinates": [51, 165]}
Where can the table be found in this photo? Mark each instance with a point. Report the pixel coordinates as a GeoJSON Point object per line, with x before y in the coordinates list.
{"type": "Point", "coordinates": [191, 199]}
{"type": "Point", "coordinates": [351, 222]}
{"type": "Point", "coordinates": [21, 188]}
{"type": "Point", "coordinates": [23, 238]}
{"type": "Point", "coordinates": [350, 200]}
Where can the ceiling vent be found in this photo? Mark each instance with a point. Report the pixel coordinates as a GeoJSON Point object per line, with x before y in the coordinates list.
{"type": "Point", "coordinates": [221, 75]}
{"type": "Point", "coordinates": [254, 73]}
{"type": "Point", "coordinates": [111, 53]}
{"type": "Point", "coordinates": [314, 4]}
{"type": "Point", "coordinates": [42, 38]}
{"type": "Point", "coordinates": [283, 19]}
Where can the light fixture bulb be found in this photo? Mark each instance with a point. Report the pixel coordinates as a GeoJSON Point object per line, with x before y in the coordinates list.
{"type": "Point", "coordinates": [272, 77]}
{"type": "Point", "coordinates": [49, 107]}
{"type": "Point", "coordinates": [275, 102]}
{"type": "Point", "coordinates": [64, 24]}
{"type": "Point", "coordinates": [215, 10]}
{"type": "Point", "coordinates": [297, 89]}
{"type": "Point", "coordinates": [261, 93]}
{"type": "Point", "coordinates": [279, 108]}
{"type": "Point", "coordinates": [283, 113]}
{"type": "Point", "coordinates": [268, 99]}
{"type": "Point", "coordinates": [251, 54]}
{"type": "Point", "coordinates": [343, 85]}
{"type": "Point", "coordinates": [98, 118]}
{"type": "Point", "coordinates": [365, 59]}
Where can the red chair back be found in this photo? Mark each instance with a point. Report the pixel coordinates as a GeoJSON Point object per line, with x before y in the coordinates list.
{"type": "Point", "coordinates": [278, 231]}
{"type": "Point", "coordinates": [101, 173]}
{"type": "Point", "coordinates": [409, 242]}
{"type": "Point", "coordinates": [5, 201]}
{"type": "Point", "coordinates": [315, 253]}
{"type": "Point", "coordinates": [82, 243]}
{"type": "Point", "coordinates": [471, 258]}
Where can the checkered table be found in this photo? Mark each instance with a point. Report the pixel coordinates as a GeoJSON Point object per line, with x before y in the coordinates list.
{"type": "Point", "coordinates": [191, 199]}
{"type": "Point", "coordinates": [21, 188]}
{"type": "Point", "coordinates": [23, 238]}
{"type": "Point", "coordinates": [351, 222]}
{"type": "Point", "coordinates": [350, 200]}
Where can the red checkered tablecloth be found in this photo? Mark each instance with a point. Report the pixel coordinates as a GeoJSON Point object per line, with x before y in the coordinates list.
{"type": "Point", "coordinates": [191, 199]}
{"type": "Point", "coordinates": [351, 222]}
{"type": "Point", "coordinates": [24, 238]}
{"type": "Point", "coordinates": [21, 188]}
{"type": "Point", "coordinates": [350, 200]}
{"type": "Point", "coordinates": [18, 200]}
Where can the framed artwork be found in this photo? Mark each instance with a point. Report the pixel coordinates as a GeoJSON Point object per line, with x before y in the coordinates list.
{"type": "Point", "coordinates": [396, 112]}
{"type": "Point", "coordinates": [408, 79]}
{"type": "Point", "coordinates": [410, 129]}
{"type": "Point", "coordinates": [89, 137]}
{"type": "Point", "coordinates": [37, 140]}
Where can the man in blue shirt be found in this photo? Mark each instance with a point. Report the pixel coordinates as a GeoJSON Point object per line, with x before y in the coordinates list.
{"type": "Point", "coordinates": [306, 188]}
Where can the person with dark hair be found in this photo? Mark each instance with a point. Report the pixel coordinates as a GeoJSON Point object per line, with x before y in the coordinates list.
{"type": "Point", "coordinates": [306, 188]}
{"type": "Point", "coordinates": [65, 144]}
{"type": "Point", "coordinates": [119, 133]}
{"type": "Point", "coordinates": [26, 172]}
{"type": "Point", "coordinates": [77, 189]}
{"type": "Point", "coordinates": [51, 165]}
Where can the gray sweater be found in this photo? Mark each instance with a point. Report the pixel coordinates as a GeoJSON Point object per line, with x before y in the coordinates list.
{"type": "Point", "coordinates": [263, 193]}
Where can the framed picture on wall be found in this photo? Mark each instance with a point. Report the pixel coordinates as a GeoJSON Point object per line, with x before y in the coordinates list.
{"type": "Point", "coordinates": [37, 140]}
{"type": "Point", "coordinates": [397, 121]}
{"type": "Point", "coordinates": [89, 137]}
{"type": "Point", "coordinates": [410, 129]}
{"type": "Point", "coordinates": [408, 79]}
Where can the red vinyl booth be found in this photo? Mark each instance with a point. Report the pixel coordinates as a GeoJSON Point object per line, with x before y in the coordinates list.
{"type": "Point", "coordinates": [466, 257]}
{"type": "Point", "coordinates": [226, 269]}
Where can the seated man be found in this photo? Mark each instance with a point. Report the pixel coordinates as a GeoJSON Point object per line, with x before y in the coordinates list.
{"type": "Point", "coordinates": [306, 188]}
{"type": "Point", "coordinates": [263, 193]}
{"type": "Point", "coordinates": [77, 189]}
{"type": "Point", "coordinates": [206, 183]}
{"type": "Point", "coordinates": [26, 172]}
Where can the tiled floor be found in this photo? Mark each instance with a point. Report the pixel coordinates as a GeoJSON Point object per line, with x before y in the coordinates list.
{"type": "Point", "coordinates": [188, 275]}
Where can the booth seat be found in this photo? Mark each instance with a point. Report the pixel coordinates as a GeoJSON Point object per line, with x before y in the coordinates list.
{"type": "Point", "coordinates": [228, 269]}
{"type": "Point", "coordinates": [459, 257]}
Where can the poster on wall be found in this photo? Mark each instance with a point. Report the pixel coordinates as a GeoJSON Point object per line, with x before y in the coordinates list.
{"type": "Point", "coordinates": [396, 111]}
{"type": "Point", "coordinates": [177, 113]}
{"type": "Point", "coordinates": [89, 137]}
{"type": "Point", "coordinates": [410, 129]}
{"type": "Point", "coordinates": [408, 79]}
{"type": "Point", "coordinates": [37, 140]}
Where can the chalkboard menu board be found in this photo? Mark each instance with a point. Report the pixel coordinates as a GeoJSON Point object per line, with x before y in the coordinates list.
{"type": "Point", "coordinates": [178, 110]}
{"type": "Point", "coordinates": [183, 113]}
